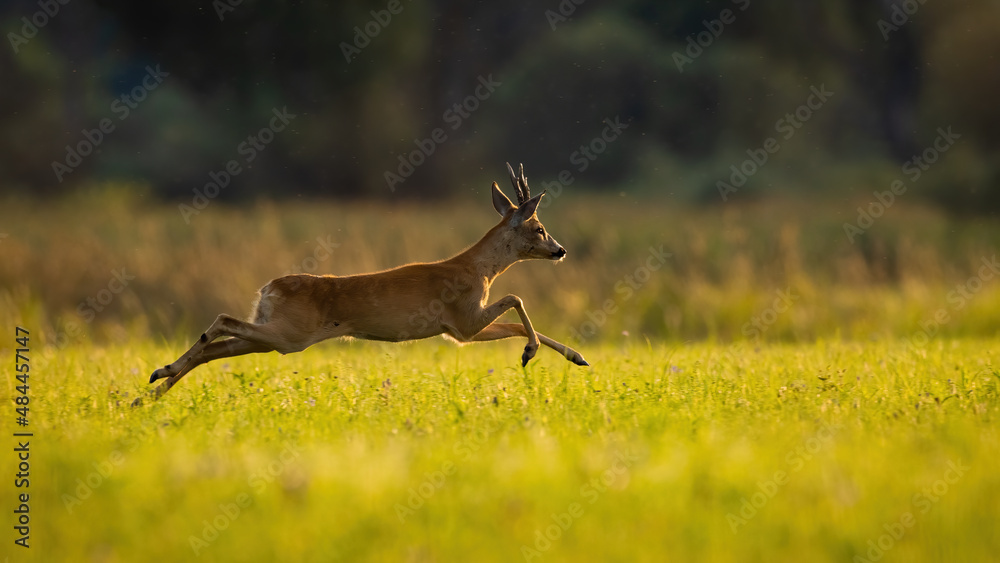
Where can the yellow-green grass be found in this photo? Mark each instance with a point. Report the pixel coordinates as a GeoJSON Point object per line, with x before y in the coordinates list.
{"type": "Point", "coordinates": [859, 392]}
{"type": "Point", "coordinates": [357, 451]}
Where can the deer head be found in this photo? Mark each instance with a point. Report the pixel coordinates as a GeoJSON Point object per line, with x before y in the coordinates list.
{"type": "Point", "coordinates": [524, 233]}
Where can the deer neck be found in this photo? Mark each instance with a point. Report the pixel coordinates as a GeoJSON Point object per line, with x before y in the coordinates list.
{"type": "Point", "coordinates": [491, 256]}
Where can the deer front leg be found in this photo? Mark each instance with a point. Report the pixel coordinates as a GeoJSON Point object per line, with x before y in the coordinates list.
{"type": "Point", "coordinates": [464, 331]}
{"type": "Point", "coordinates": [532, 347]}
{"type": "Point", "coordinates": [496, 331]}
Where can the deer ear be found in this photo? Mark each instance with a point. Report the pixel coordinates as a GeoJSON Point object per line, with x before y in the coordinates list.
{"type": "Point", "coordinates": [500, 201]}
{"type": "Point", "coordinates": [527, 209]}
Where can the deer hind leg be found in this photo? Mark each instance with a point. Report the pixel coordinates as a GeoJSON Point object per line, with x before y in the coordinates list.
{"type": "Point", "coordinates": [247, 338]}
{"type": "Point", "coordinates": [273, 335]}
{"type": "Point", "coordinates": [218, 328]}
{"type": "Point", "coordinates": [496, 331]}
{"type": "Point", "coordinates": [214, 351]}
{"type": "Point", "coordinates": [263, 307]}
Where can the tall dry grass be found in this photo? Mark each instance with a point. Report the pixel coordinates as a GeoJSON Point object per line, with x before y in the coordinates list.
{"type": "Point", "coordinates": [726, 267]}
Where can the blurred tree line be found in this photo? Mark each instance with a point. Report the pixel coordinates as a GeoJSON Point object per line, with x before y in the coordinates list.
{"type": "Point", "coordinates": [403, 98]}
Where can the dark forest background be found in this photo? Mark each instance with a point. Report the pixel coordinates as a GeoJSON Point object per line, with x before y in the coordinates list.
{"type": "Point", "coordinates": [899, 72]}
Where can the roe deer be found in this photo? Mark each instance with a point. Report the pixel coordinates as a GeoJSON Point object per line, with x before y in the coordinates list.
{"type": "Point", "coordinates": [296, 311]}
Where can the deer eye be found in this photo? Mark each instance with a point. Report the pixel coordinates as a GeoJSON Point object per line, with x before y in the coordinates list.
{"type": "Point", "coordinates": [540, 231]}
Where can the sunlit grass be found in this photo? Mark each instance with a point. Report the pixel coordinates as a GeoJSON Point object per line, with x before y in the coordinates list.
{"type": "Point", "coordinates": [429, 452]}
{"type": "Point", "coordinates": [771, 392]}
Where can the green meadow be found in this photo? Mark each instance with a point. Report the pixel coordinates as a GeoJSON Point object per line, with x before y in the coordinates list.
{"type": "Point", "coordinates": [760, 389]}
{"type": "Point", "coordinates": [427, 452]}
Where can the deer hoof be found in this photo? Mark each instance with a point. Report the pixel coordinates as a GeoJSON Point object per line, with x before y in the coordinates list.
{"type": "Point", "coordinates": [578, 360]}
{"type": "Point", "coordinates": [529, 352]}
{"type": "Point", "coordinates": [160, 374]}
{"type": "Point", "coordinates": [137, 403]}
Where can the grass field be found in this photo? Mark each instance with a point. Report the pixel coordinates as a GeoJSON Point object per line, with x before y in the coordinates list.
{"type": "Point", "coordinates": [769, 391]}
{"type": "Point", "coordinates": [428, 452]}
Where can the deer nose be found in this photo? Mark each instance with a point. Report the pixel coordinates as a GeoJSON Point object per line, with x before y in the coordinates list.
{"type": "Point", "coordinates": [559, 253]}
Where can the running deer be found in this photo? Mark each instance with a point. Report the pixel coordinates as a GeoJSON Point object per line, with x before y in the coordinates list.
{"type": "Point", "coordinates": [294, 312]}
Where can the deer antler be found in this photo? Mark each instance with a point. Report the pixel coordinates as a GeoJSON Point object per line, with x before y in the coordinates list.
{"type": "Point", "coordinates": [520, 184]}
